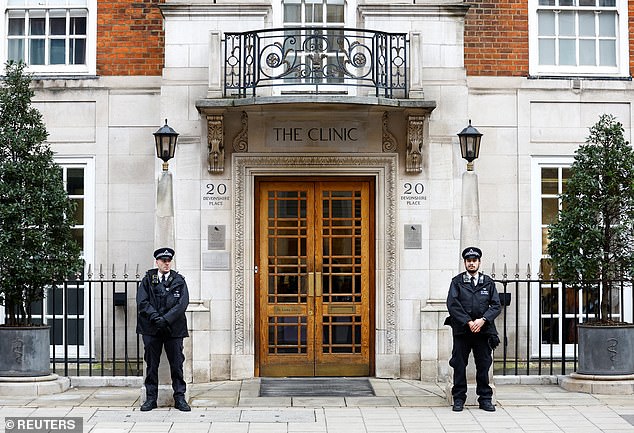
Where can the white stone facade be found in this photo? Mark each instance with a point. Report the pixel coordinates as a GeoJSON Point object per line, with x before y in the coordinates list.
{"type": "Point", "coordinates": [524, 121]}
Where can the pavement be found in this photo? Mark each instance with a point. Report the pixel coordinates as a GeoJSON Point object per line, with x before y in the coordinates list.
{"type": "Point", "coordinates": [399, 406]}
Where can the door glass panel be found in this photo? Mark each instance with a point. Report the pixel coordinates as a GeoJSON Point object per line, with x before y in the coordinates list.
{"type": "Point", "coordinates": [287, 246]}
{"type": "Point", "coordinates": [287, 335]}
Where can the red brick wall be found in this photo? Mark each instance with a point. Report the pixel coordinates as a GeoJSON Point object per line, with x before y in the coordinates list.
{"type": "Point", "coordinates": [496, 38]}
{"type": "Point", "coordinates": [630, 26]}
{"type": "Point", "coordinates": [130, 37]}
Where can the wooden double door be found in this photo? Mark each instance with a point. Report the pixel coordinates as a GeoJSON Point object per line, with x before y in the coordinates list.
{"type": "Point", "coordinates": [314, 286]}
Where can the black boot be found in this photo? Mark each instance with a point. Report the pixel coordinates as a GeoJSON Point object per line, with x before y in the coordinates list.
{"type": "Point", "coordinates": [148, 405]}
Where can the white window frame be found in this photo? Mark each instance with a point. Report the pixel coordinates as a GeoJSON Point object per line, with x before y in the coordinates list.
{"type": "Point", "coordinates": [622, 47]}
{"type": "Point", "coordinates": [88, 249]}
{"type": "Point", "coordinates": [537, 163]}
{"type": "Point", "coordinates": [536, 249]}
{"type": "Point", "coordinates": [43, 7]}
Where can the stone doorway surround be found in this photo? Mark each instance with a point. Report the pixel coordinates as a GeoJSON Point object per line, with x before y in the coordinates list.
{"type": "Point", "coordinates": [245, 168]}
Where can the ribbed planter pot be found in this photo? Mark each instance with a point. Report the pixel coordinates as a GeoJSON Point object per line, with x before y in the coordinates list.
{"type": "Point", "coordinates": [24, 351]}
{"type": "Point", "coordinates": [606, 350]}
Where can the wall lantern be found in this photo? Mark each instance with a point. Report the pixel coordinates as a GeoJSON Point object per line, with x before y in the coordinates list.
{"type": "Point", "coordinates": [165, 139]}
{"type": "Point", "coordinates": [470, 144]}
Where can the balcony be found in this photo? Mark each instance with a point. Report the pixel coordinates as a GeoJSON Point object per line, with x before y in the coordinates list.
{"type": "Point", "coordinates": [316, 60]}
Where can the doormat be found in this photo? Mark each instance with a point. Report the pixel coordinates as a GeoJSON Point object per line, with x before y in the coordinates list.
{"type": "Point", "coordinates": [316, 387]}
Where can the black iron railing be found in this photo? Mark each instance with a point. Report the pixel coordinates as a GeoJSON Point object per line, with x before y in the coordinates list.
{"type": "Point", "coordinates": [93, 326]}
{"type": "Point", "coordinates": [538, 324]}
{"type": "Point", "coordinates": [93, 323]}
{"type": "Point", "coordinates": [315, 60]}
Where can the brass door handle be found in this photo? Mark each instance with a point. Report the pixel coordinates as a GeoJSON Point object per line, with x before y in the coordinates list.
{"type": "Point", "coordinates": [311, 284]}
{"type": "Point", "coordinates": [318, 292]}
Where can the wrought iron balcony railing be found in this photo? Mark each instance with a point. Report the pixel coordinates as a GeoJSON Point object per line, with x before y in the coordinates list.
{"type": "Point", "coordinates": [316, 60]}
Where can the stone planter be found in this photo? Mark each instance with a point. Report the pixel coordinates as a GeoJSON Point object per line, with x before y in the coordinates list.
{"type": "Point", "coordinates": [24, 351]}
{"type": "Point", "coordinates": [606, 350]}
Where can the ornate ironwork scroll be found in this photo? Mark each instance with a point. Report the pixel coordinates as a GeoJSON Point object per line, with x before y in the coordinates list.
{"type": "Point", "coordinates": [316, 57]}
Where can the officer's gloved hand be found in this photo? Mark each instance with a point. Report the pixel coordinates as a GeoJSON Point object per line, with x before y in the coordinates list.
{"type": "Point", "coordinates": [160, 322]}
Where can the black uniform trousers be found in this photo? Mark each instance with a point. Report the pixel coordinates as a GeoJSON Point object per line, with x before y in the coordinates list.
{"type": "Point", "coordinates": [462, 346]}
{"type": "Point", "coordinates": [174, 350]}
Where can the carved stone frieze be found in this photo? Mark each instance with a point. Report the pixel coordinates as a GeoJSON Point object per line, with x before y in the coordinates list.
{"type": "Point", "coordinates": [414, 159]}
{"type": "Point", "coordinates": [215, 143]}
{"type": "Point", "coordinates": [241, 141]}
{"type": "Point", "coordinates": [245, 166]}
{"type": "Point", "coordinates": [389, 141]}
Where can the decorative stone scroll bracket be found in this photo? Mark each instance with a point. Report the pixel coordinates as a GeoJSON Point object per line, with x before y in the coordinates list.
{"type": "Point", "coordinates": [414, 159]}
{"type": "Point", "coordinates": [389, 141]}
{"type": "Point", "coordinates": [215, 143]}
{"type": "Point", "coordinates": [241, 141]}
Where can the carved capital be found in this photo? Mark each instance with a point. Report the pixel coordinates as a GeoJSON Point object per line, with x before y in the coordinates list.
{"type": "Point", "coordinates": [415, 125]}
{"type": "Point", "coordinates": [215, 143]}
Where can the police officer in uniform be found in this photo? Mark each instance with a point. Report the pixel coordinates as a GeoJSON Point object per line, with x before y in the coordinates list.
{"type": "Point", "coordinates": [473, 303]}
{"type": "Point", "coordinates": [162, 299]}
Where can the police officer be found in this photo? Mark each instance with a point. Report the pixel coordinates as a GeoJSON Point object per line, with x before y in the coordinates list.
{"type": "Point", "coordinates": [473, 303]}
{"type": "Point", "coordinates": [162, 299]}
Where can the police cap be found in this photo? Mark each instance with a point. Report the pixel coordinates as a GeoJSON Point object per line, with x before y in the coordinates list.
{"type": "Point", "coordinates": [472, 253]}
{"type": "Point", "coordinates": [164, 253]}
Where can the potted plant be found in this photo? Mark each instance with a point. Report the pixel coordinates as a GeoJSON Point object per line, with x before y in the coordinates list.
{"type": "Point", "coordinates": [37, 249]}
{"type": "Point", "coordinates": [592, 245]}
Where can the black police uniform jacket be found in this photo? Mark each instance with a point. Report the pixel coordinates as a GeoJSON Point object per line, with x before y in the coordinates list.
{"type": "Point", "coordinates": [169, 299]}
{"type": "Point", "coordinates": [467, 302]}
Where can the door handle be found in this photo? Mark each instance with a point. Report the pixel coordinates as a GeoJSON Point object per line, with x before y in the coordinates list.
{"type": "Point", "coordinates": [311, 284]}
{"type": "Point", "coordinates": [318, 291]}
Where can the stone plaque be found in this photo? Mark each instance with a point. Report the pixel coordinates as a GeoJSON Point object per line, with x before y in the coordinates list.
{"type": "Point", "coordinates": [216, 261]}
{"type": "Point", "coordinates": [216, 237]}
{"type": "Point", "coordinates": [413, 236]}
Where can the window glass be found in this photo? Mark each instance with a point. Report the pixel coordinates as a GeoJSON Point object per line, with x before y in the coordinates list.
{"type": "Point", "coordinates": [586, 24]}
{"type": "Point", "coordinates": [566, 23]}
{"type": "Point", "coordinates": [36, 51]}
{"type": "Point", "coordinates": [587, 53]}
{"type": "Point", "coordinates": [292, 13]}
{"type": "Point", "coordinates": [567, 52]}
{"type": "Point", "coordinates": [57, 25]}
{"type": "Point", "coordinates": [16, 49]}
{"type": "Point", "coordinates": [546, 23]}
{"type": "Point", "coordinates": [16, 26]}
{"type": "Point", "coordinates": [607, 24]}
{"type": "Point", "coordinates": [550, 180]}
{"type": "Point", "coordinates": [607, 53]}
{"type": "Point", "coordinates": [37, 26]}
{"type": "Point", "coordinates": [335, 13]}
{"type": "Point", "coordinates": [75, 181]}
{"type": "Point", "coordinates": [77, 52]}
{"type": "Point", "coordinates": [57, 52]}
{"type": "Point", "coordinates": [547, 52]}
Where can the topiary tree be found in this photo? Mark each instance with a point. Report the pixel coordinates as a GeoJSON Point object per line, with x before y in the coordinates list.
{"type": "Point", "coordinates": [593, 240]}
{"type": "Point", "coordinates": [37, 249]}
